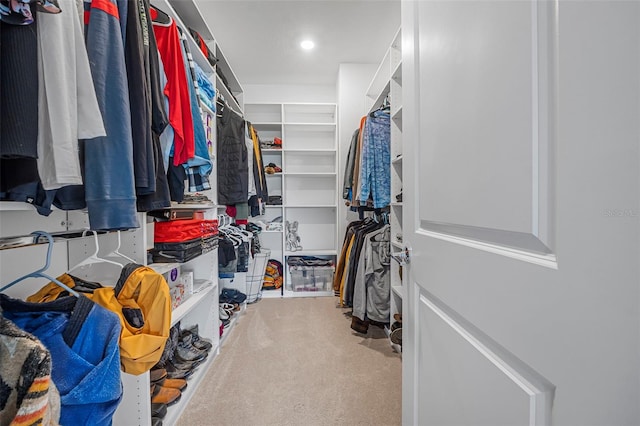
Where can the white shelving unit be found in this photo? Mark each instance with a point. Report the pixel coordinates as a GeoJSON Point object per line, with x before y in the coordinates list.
{"type": "Point", "coordinates": [308, 183]}
{"type": "Point", "coordinates": [201, 308]}
{"type": "Point", "coordinates": [387, 82]}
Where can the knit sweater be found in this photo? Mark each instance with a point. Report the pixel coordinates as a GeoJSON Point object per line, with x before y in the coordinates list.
{"type": "Point", "coordinates": [27, 394]}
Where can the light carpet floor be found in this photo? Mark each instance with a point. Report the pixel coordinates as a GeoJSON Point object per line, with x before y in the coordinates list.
{"type": "Point", "coordinates": [296, 361]}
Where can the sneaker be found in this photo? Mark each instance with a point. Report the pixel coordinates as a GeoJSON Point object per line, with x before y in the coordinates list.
{"type": "Point", "coordinates": [181, 369]}
{"type": "Point", "coordinates": [189, 337]}
{"type": "Point", "coordinates": [222, 312]}
{"type": "Point", "coordinates": [396, 336]}
{"type": "Point", "coordinates": [188, 353]}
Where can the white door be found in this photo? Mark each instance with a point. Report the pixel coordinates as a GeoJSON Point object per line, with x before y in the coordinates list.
{"type": "Point", "coordinates": [521, 129]}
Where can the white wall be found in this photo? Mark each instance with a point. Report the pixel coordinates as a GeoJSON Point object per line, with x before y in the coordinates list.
{"type": "Point", "coordinates": [256, 93]}
{"type": "Point", "coordinates": [353, 81]}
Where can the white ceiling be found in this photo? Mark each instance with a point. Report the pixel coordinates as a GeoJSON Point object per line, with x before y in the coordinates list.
{"type": "Point", "coordinates": [261, 38]}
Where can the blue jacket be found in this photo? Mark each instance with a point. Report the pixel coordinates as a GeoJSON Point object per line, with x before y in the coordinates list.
{"type": "Point", "coordinates": [108, 161]}
{"type": "Point", "coordinates": [83, 338]}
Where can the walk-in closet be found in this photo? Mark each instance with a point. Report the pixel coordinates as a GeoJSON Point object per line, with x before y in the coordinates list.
{"type": "Point", "coordinates": [319, 212]}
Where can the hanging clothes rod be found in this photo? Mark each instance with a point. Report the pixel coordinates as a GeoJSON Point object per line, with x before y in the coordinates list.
{"type": "Point", "coordinates": [220, 100]}
{"type": "Point", "coordinates": [33, 239]}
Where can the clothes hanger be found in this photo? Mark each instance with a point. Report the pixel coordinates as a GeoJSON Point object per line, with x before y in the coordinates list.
{"type": "Point", "coordinates": [40, 272]}
{"type": "Point", "coordinates": [116, 252]}
{"type": "Point", "coordinates": [159, 16]}
{"type": "Point", "coordinates": [94, 259]}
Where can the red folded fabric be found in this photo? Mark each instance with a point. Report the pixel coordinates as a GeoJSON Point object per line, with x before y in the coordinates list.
{"type": "Point", "coordinates": [176, 231]}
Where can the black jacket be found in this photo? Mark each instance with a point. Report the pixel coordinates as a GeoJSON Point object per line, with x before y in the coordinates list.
{"type": "Point", "coordinates": [232, 160]}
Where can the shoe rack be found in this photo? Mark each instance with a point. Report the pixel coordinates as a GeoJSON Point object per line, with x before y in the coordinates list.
{"type": "Point", "coordinates": [387, 83]}
{"type": "Point", "coordinates": [308, 183]}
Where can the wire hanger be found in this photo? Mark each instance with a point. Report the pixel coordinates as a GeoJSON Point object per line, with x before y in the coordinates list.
{"type": "Point", "coordinates": [40, 272]}
{"type": "Point", "coordinates": [94, 259]}
{"type": "Point", "coordinates": [116, 252]}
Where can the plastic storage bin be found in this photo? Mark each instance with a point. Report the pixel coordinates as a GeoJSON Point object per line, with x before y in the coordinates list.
{"type": "Point", "coordinates": [310, 278]}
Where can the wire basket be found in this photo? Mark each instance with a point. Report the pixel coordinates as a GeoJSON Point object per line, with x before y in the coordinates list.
{"type": "Point", "coordinates": [255, 275]}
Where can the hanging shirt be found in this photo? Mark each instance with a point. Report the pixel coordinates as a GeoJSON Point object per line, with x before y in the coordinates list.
{"type": "Point", "coordinates": [68, 108]}
{"type": "Point", "coordinates": [136, 59]}
{"type": "Point", "coordinates": [199, 167]}
{"type": "Point", "coordinates": [375, 175]}
{"type": "Point", "coordinates": [83, 340]}
{"type": "Point", "coordinates": [371, 293]}
{"type": "Point", "coordinates": [180, 118]}
{"type": "Point", "coordinates": [109, 190]}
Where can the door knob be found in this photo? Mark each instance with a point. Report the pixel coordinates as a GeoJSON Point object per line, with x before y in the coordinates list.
{"type": "Point", "coordinates": [402, 257]}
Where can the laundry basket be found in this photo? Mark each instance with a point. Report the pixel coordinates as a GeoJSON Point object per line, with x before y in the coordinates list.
{"type": "Point", "coordinates": [255, 275]}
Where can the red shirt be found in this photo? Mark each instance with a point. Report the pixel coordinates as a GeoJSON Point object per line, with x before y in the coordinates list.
{"type": "Point", "coordinates": [177, 91]}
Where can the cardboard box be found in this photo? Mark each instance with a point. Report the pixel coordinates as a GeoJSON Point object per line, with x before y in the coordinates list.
{"type": "Point", "coordinates": [178, 295]}
{"type": "Point", "coordinates": [186, 279]}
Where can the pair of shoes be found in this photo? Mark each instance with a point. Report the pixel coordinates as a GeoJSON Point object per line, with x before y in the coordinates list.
{"type": "Point", "coordinates": [188, 353]}
{"type": "Point", "coordinates": [191, 336]}
{"type": "Point", "coordinates": [159, 377]}
{"type": "Point", "coordinates": [228, 308]}
{"type": "Point", "coordinates": [164, 395]}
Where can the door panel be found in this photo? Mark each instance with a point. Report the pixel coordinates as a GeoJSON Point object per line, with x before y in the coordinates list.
{"type": "Point", "coordinates": [482, 80]}
{"type": "Point", "coordinates": [463, 371]}
{"type": "Point", "coordinates": [521, 209]}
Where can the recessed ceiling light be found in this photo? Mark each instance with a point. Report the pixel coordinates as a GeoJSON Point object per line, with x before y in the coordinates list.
{"type": "Point", "coordinates": [307, 44]}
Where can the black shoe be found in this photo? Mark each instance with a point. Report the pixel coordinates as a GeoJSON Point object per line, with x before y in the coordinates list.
{"type": "Point", "coordinates": [176, 370]}
{"type": "Point", "coordinates": [158, 410]}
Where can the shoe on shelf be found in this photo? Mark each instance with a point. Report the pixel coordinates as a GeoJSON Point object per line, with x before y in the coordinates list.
{"type": "Point", "coordinates": [162, 395]}
{"type": "Point", "coordinates": [188, 353]}
{"type": "Point", "coordinates": [228, 308]}
{"type": "Point", "coordinates": [157, 375]}
{"type": "Point", "coordinates": [396, 336]}
{"type": "Point", "coordinates": [188, 338]}
{"type": "Point", "coordinates": [176, 372]}
{"type": "Point", "coordinates": [224, 315]}
{"type": "Point", "coordinates": [159, 410]}
{"type": "Point", "coordinates": [179, 384]}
